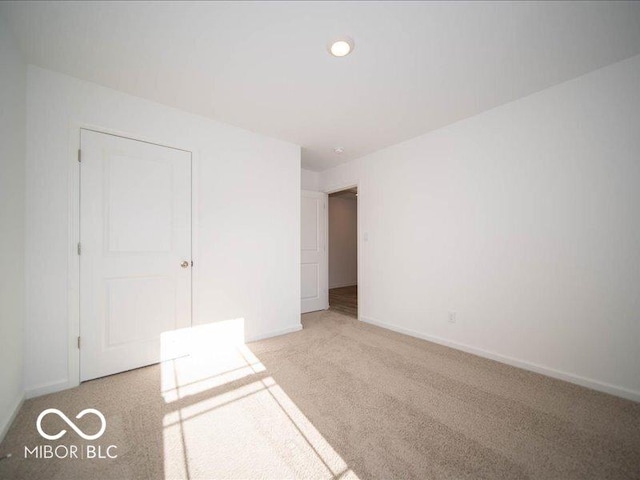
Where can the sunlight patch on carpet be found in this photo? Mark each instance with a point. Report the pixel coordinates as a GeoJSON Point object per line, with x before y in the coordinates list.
{"type": "Point", "coordinates": [232, 420]}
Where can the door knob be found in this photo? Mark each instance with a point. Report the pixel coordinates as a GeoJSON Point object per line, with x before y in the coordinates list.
{"type": "Point", "coordinates": [184, 264]}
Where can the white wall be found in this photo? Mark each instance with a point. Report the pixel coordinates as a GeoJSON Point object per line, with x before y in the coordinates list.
{"type": "Point", "coordinates": [343, 242]}
{"type": "Point", "coordinates": [525, 220]}
{"type": "Point", "coordinates": [309, 180]}
{"type": "Point", "coordinates": [12, 184]}
{"type": "Point", "coordinates": [246, 215]}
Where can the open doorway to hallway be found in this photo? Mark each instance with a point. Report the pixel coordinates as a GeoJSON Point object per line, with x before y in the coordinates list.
{"type": "Point", "coordinates": [343, 251]}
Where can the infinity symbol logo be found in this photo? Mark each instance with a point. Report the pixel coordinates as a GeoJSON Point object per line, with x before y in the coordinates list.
{"type": "Point", "coordinates": [71, 424]}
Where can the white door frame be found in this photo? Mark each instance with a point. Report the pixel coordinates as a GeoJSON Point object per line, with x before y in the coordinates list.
{"type": "Point", "coordinates": [73, 280]}
{"type": "Point", "coordinates": [339, 188]}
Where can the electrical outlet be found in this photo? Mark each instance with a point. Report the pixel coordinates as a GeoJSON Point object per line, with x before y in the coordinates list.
{"type": "Point", "coordinates": [452, 317]}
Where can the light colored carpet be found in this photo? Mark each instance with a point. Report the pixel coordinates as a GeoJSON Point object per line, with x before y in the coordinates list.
{"type": "Point", "coordinates": [340, 399]}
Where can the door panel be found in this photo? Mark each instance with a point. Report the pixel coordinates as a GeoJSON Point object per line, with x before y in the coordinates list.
{"type": "Point", "coordinates": [138, 309]}
{"type": "Point", "coordinates": [313, 243]}
{"type": "Point", "coordinates": [135, 231]}
{"type": "Point", "coordinates": [310, 281]}
{"type": "Point", "coordinates": [140, 218]}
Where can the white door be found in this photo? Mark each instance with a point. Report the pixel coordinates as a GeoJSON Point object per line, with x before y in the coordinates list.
{"type": "Point", "coordinates": [135, 251]}
{"type": "Point", "coordinates": [313, 242]}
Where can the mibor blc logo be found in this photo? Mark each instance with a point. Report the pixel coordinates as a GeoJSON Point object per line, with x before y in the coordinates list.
{"type": "Point", "coordinates": [71, 451]}
{"type": "Point", "coordinates": [46, 412]}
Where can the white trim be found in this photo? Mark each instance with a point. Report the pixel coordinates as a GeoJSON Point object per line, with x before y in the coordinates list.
{"type": "Point", "coordinates": [341, 285]}
{"type": "Point", "coordinates": [533, 367]}
{"type": "Point", "coordinates": [73, 272]}
{"type": "Point", "coordinates": [51, 387]}
{"type": "Point", "coordinates": [17, 405]}
{"type": "Point", "coordinates": [273, 333]}
{"type": "Point", "coordinates": [195, 195]}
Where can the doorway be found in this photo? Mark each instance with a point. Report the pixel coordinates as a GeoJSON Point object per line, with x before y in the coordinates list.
{"type": "Point", "coordinates": [343, 251]}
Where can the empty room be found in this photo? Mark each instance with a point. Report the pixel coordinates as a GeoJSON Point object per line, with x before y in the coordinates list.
{"type": "Point", "coordinates": [320, 240]}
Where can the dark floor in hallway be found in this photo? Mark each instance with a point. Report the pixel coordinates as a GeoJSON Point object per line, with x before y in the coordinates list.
{"type": "Point", "coordinates": [344, 300]}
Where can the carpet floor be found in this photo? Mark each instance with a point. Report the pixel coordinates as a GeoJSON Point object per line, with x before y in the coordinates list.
{"type": "Point", "coordinates": [340, 399]}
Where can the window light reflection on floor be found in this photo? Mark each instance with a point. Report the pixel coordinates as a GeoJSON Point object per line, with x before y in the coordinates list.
{"type": "Point", "coordinates": [228, 417]}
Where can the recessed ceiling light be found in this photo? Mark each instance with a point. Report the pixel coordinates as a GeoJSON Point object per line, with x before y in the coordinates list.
{"type": "Point", "coordinates": [341, 47]}
{"type": "Point", "coordinates": [338, 150]}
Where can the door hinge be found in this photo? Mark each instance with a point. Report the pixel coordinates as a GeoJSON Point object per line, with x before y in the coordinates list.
{"type": "Point", "coordinates": [78, 343]}
{"type": "Point", "coordinates": [79, 249]}
{"type": "Point", "coordinates": [79, 155]}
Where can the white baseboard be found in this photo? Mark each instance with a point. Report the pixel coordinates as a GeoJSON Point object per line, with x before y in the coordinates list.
{"type": "Point", "coordinates": [60, 385]}
{"type": "Point", "coordinates": [274, 333]}
{"type": "Point", "coordinates": [340, 285]}
{"type": "Point", "coordinates": [533, 367]}
{"type": "Point", "coordinates": [13, 412]}
{"type": "Point", "coordinates": [46, 388]}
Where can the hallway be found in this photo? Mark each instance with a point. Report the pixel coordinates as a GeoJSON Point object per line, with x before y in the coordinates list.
{"type": "Point", "coordinates": [344, 300]}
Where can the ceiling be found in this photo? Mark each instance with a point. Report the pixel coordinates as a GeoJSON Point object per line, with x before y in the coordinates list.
{"type": "Point", "coordinates": [264, 66]}
{"type": "Point", "coordinates": [351, 193]}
